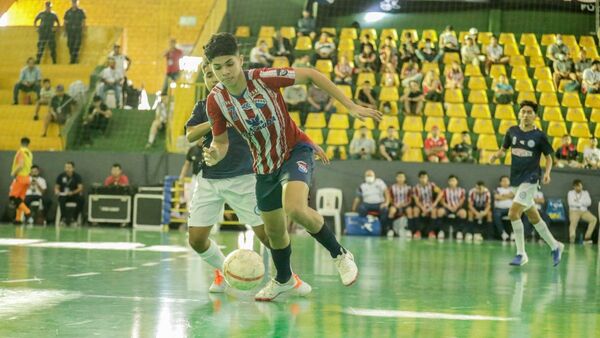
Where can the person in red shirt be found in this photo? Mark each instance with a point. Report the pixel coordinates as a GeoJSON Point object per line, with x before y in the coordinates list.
{"type": "Point", "coordinates": [436, 146]}
{"type": "Point", "coordinates": [173, 55]}
{"type": "Point", "coordinates": [116, 178]}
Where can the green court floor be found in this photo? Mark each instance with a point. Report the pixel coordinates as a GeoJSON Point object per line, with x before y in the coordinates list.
{"type": "Point", "coordinates": [120, 283]}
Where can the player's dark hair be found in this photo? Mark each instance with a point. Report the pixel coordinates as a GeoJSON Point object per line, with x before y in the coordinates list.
{"type": "Point", "coordinates": [71, 163]}
{"type": "Point", "coordinates": [451, 177]}
{"type": "Point", "coordinates": [35, 166]}
{"type": "Point", "coordinates": [596, 62]}
{"type": "Point", "coordinates": [25, 141]}
{"type": "Point", "coordinates": [480, 183]}
{"type": "Point", "coordinates": [465, 132]}
{"type": "Point", "coordinates": [46, 80]}
{"type": "Point", "coordinates": [116, 165]}
{"type": "Point", "coordinates": [97, 98]}
{"type": "Point", "coordinates": [577, 182]}
{"type": "Point", "coordinates": [527, 103]}
{"type": "Point", "coordinates": [221, 44]}
{"type": "Point", "coordinates": [423, 173]}
{"type": "Point", "coordinates": [400, 173]}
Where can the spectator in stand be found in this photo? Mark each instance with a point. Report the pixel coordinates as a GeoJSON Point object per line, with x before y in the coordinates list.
{"type": "Point", "coordinates": [428, 53]}
{"type": "Point", "coordinates": [390, 147]}
{"type": "Point", "coordinates": [582, 64]}
{"type": "Point", "coordinates": [454, 76]}
{"type": "Point", "coordinates": [295, 99]}
{"type": "Point", "coordinates": [436, 146]}
{"type": "Point", "coordinates": [343, 71]}
{"type": "Point", "coordinates": [566, 155]}
{"type": "Point", "coordinates": [495, 55]}
{"type": "Point", "coordinates": [591, 155]}
{"type": "Point", "coordinates": [69, 189]}
{"type": "Point", "coordinates": [97, 118]}
{"type": "Point", "coordinates": [425, 206]}
{"type": "Point", "coordinates": [366, 40]}
{"type": "Point", "coordinates": [283, 47]}
{"type": "Point", "coordinates": [324, 49]}
{"type": "Point", "coordinates": [36, 192]}
{"type": "Point", "coordinates": [386, 108]}
{"type": "Point", "coordinates": [122, 64]}
{"type": "Point", "coordinates": [117, 177]}
{"type": "Point", "coordinates": [74, 25]}
{"type": "Point", "coordinates": [579, 202]}
{"type": "Point", "coordinates": [302, 62]}
{"type": "Point", "coordinates": [46, 94]}
{"type": "Point", "coordinates": [503, 91]}
{"type": "Point", "coordinates": [432, 87]}
{"type": "Point", "coordinates": [172, 55]}
{"type": "Point", "coordinates": [411, 72]}
{"type": "Point", "coordinates": [413, 99]}
{"type": "Point", "coordinates": [373, 196]}
{"type": "Point", "coordinates": [503, 199]}
{"type": "Point", "coordinates": [408, 49]}
{"type": "Point", "coordinates": [29, 80]}
{"type": "Point", "coordinates": [401, 201]}
{"type": "Point", "coordinates": [47, 19]}
{"type": "Point", "coordinates": [556, 48]}
{"type": "Point", "coordinates": [60, 108]}
{"type": "Point", "coordinates": [320, 101]}
{"type": "Point", "coordinates": [453, 210]}
{"type": "Point", "coordinates": [260, 56]}
{"type": "Point", "coordinates": [591, 79]}
{"type": "Point", "coordinates": [161, 117]}
{"type": "Point", "coordinates": [366, 96]}
{"type": "Point", "coordinates": [474, 35]}
{"type": "Point", "coordinates": [367, 60]}
{"type": "Point", "coordinates": [112, 79]}
{"type": "Point", "coordinates": [388, 60]}
{"type": "Point", "coordinates": [470, 52]}
{"type": "Point", "coordinates": [463, 151]}
{"type": "Point", "coordinates": [563, 69]}
{"type": "Point", "coordinates": [480, 212]}
{"type": "Point", "coordinates": [362, 147]}
{"type": "Point", "coordinates": [389, 42]}
{"type": "Point", "coordinates": [307, 25]}
{"type": "Point", "coordinates": [449, 41]}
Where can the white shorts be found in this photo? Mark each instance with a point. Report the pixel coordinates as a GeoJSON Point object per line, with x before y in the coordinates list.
{"type": "Point", "coordinates": [210, 196]}
{"type": "Point", "coordinates": [525, 193]}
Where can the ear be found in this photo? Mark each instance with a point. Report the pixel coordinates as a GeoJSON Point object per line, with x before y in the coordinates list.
{"type": "Point", "coordinates": [241, 60]}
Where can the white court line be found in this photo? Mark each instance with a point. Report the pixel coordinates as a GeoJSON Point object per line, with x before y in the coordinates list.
{"type": "Point", "coordinates": [167, 259]}
{"type": "Point", "coordinates": [421, 315]}
{"type": "Point", "coordinates": [127, 268]}
{"type": "Point", "coordinates": [150, 264]}
{"type": "Point", "coordinates": [19, 241]}
{"type": "Point", "coordinates": [164, 248]}
{"type": "Point", "coordinates": [85, 274]}
{"type": "Point", "coordinates": [138, 299]}
{"type": "Point", "coordinates": [35, 279]}
{"type": "Point", "coordinates": [90, 245]}
{"type": "Point", "coordinates": [2, 251]}
{"type": "Point", "coordinates": [15, 303]}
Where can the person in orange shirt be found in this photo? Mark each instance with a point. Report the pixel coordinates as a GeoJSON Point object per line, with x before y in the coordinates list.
{"type": "Point", "coordinates": [21, 168]}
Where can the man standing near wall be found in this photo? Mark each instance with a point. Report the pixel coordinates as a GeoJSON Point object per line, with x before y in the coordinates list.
{"type": "Point", "coordinates": [47, 18]}
{"type": "Point", "coordinates": [74, 24]}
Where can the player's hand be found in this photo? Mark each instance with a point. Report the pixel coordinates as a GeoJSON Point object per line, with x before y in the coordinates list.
{"type": "Point", "coordinates": [211, 156]}
{"type": "Point", "coordinates": [493, 159]}
{"type": "Point", "coordinates": [320, 153]}
{"type": "Point", "coordinates": [546, 179]}
{"type": "Point", "coordinates": [363, 113]}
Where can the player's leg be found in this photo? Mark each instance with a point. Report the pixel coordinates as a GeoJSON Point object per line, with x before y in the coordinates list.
{"type": "Point", "coordinates": [514, 213]}
{"type": "Point", "coordinates": [470, 228]}
{"type": "Point", "coordinates": [417, 222]}
{"type": "Point", "coordinates": [441, 224]}
{"type": "Point", "coordinates": [542, 228]}
{"type": "Point", "coordinates": [22, 186]}
{"type": "Point", "coordinates": [461, 219]}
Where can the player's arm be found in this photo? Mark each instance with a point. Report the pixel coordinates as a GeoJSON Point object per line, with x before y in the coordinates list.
{"type": "Point", "coordinates": [384, 153]}
{"type": "Point", "coordinates": [218, 149]}
{"type": "Point", "coordinates": [388, 197]}
{"type": "Point", "coordinates": [184, 170]}
{"type": "Point", "coordinates": [502, 151]}
{"type": "Point", "coordinates": [547, 152]}
{"type": "Point", "coordinates": [308, 75]}
{"type": "Point", "coordinates": [78, 190]}
{"type": "Point", "coordinates": [195, 133]}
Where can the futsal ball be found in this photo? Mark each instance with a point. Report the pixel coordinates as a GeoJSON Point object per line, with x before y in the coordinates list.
{"type": "Point", "coordinates": [243, 269]}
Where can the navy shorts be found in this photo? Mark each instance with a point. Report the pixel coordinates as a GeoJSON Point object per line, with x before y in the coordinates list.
{"type": "Point", "coordinates": [298, 167]}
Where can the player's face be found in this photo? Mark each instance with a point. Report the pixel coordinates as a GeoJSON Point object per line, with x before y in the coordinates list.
{"type": "Point", "coordinates": [578, 187]}
{"type": "Point", "coordinates": [400, 179]}
{"type": "Point", "coordinates": [453, 182]}
{"type": "Point", "coordinates": [115, 171]}
{"type": "Point", "coordinates": [423, 179]}
{"type": "Point", "coordinates": [69, 168]}
{"type": "Point", "coordinates": [227, 68]}
{"type": "Point", "coordinates": [527, 115]}
{"type": "Point", "coordinates": [35, 172]}
{"type": "Point", "coordinates": [209, 78]}
{"type": "Point", "coordinates": [504, 182]}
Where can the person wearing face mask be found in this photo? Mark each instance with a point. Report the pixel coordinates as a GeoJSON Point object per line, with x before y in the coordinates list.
{"type": "Point", "coordinates": [362, 147]}
{"type": "Point", "coordinates": [563, 69]}
{"type": "Point", "coordinates": [373, 196]}
{"type": "Point", "coordinates": [556, 48]}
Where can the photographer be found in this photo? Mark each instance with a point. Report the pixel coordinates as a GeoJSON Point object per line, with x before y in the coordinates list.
{"type": "Point", "coordinates": [36, 192]}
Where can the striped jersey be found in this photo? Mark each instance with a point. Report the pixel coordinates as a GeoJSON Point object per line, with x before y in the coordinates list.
{"type": "Point", "coordinates": [259, 115]}
{"type": "Point", "coordinates": [402, 194]}
{"type": "Point", "coordinates": [453, 196]}
{"type": "Point", "coordinates": [480, 199]}
{"type": "Point", "coordinates": [425, 193]}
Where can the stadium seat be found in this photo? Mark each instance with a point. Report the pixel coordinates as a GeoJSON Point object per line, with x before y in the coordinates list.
{"type": "Point", "coordinates": [266, 32]}
{"type": "Point", "coordinates": [295, 116]}
{"type": "Point", "coordinates": [413, 155]}
{"type": "Point", "coordinates": [542, 73]}
{"type": "Point", "coordinates": [456, 110]}
{"type": "Point", "coordinates": [587, 41]}
{"type": "Point", "coordinates": [337, 137]}
{"type": "Point", "coordinates": [389, 32]}
{"type": "Point", "coordinates": [597, 130]}
{"type": "Point", "coordinates": [427, 66]}
{"type": "Point", "coordinates": [413, 139]}
{"type": "Point", "coordinates": [315, 120]}
{"type": "Point", "coordinates": [483, 126]}
{"type": "Point", "coordinates": [339, 121]}
{"type": "Point", "coordinates": [457, 138]}
{"type": "Point", "coordinates": [519, 72]}
{"type": "Point", "coordinates": [430, 34]}
{"type": "Point", "coordinates": [395, 84]}
{"type": "Point", "coordinates": [347, 90]}
{"type": "Point", "coordinates": [356, 133]}
{"type": "Point", "coordinates": [368, 31]}
{"type": "Point", "coordinates": [472, 70]}
{"type": "Point", "coordinates": [556, 142]}
{"type": "Point", "coordinates": [576, 115]}
{"type": "Point", "coordinates": [487, 142]}
{"type": "Point", "coordinates": [477, 83]}
{"type": "Point", "coordinates": [528, 39]}
{"type": "Point", "coordinates": [484, 37]}
{"type": "Point", "coordinates": [524, 85]}
{"type": "Point", "coordinates": [457, 125]}
{"type": "Point", "coordinates": [389, 94]}
{"type": "Point", "coordinates": [497, 70]}
{"type": "Point", "coordinates": [413, 32]}
{"type": "Point", "coordinates": [329, 30]}
{"type": "Point", "coordinates": [412, 123]}
{"type": "Point", "coordinates": [389, 121]}
{"type": "Point", "coordinates": [451, 57]}
{"type": "Point", "coordinates": [324, 66]}
{"type": "Point", "coordinates": [478, 96]}
{"type": "Point", "coordinates": [592, 100]}
{"type": "Point", "coordinates": [280, 62]}
{"type": "Point", "coordinates": [569, 40]}
{"type": "Point", "coordinates": [269, 42]}
{"type": "Point", "coordinates": [481, 111]}
{"type": "Point", "coordinates": [505, 125]}
{"type": "Point", "coordinates": [507, 38]}
{"type": "Point", "coordinates": [435, 121]}
{"type": "Point", "coordinates": [595, 116]}
{"type": "Point", "coordinates": [462, 35]}
{"type": "Point", "coordinates": [340, 108]}
{"type": "Point", "coordinates": [548, 39]}
{"type": "Point", "coordinates": [316, 135]}
{"type": "Point", "coordinates": [549, 99]}
{"type": "Point", "coordinates": [453, 96]}
{"type": "Point", "coordinates": [517, 60]}
{"type": "Point", "coordinates": [304, 43]}
{"type": "Point", "coordinates": [529, 96]}
{"type": "Point", "coordinates": [580, 129]}
{"type": "Point", "coordinates": [504, 112]}
{"type": "Point", "coordinates": [508, 158]}
{"type": "Point", "coordinates": [556, 129]}
{"type": "Point", "coordinates": [545, 86]}
{"type": "Point", "coordinates": [288, 32]}
{"type": "Point", "coordinates": [552, 114]}
{"type": "Point", "coordinates": [368, 122]}
{"type": "Point", "coordinates": [511, 49]}
{"type": "Point", "coordinates": [571, 100]}
{"type": "Point", "coordinates": [433, 109]}
{"type": "Point", "coordinates": [242, 31]}
{"type": "Point", "coordinates": [393, 105]}
{"type": "Point", "coordinates": [532, 50]}
{"type": "Point", "coordinates": [536, 61]}
{"type": "Point", "coordinates": [348, 33]}
{"type": "Point", "coordinates": [583, 143]}
{"type": "Point", "coordinates": [346, 45]}
{"type": "Point", "coordinates": [484, 156]}
{"type": "Point", "coordinates": [343, 154]}
{"type": "Point", "coordinates": [364, 77]}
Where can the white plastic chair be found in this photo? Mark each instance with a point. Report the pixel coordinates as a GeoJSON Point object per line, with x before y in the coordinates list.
{"type": "Point", "coordinates": [329, 203]}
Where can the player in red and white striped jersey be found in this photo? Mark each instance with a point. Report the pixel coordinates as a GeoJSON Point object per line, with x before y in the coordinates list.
{"type": "Point", "coordinates": [401, 199]}
{"type": "Point", "coordinates": [426, 196]}
{"type": "Point", "coordinates": [453, 210]}
{"type": "Point", "coordinates": [283, 155]}
{"type": "Point", "coordinates": [480, 211]}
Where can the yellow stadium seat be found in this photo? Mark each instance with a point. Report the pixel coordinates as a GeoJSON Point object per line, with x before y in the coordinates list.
{"type": "Point", "coordinates": [536, 61]}
{"type": "Point", "coordinates": [484, 156]}
{"type": "Point", "coordinates": [545, 86]}
{"type": "Point", "coordinates": [556, 142]}
{"type": "Point", "coordinates": [316, 135]}
{"type": "Point", "coordinates": [483, 126]}
{"type": "Point", "coordinates": [357, 134]}
{"type": "Point", "coordinates": [477, 83]}
{"type": "Point", "coordinates": [269, 42]}
{"type": "Point", "coordinates": [457, 125]}
{"type": "Point", "coordinates": [529, 96]}
{"type": "Point", "coordinates": [427, 66]}
{"type": "Point", "coordinates": [280, 62]}
{"type": "Point", "coordinates": [528, 39]}
{"type": "Point", "coordinates": [413, 155]}
{"type": "Point", "coordinates": [455, 110]}
{"type": "Point", "coordinates": [583, 143]}
{"type": "Point", "coordinates": [595, 116]}
{"type": "Point", "coordinates": [484, 37]}
{"type": "Point", "coordinates": [389, 94]}
{"type": "Point", "coordinates": [542, 73]}
{"type": "Point", "coordinates": [295, 116]}
{"type": "Point", "coordinates": [548, 39]}
{"type": "Point", "coordinates": [507, 38]}
{"type": "Point", "coordinates": [389, 121]}
{"type": "Point", "coordinates": [435, 121]}
{"type": "Point", "coordinates": [576, 115]}
{"type": "Point", "coordinates": [571, 100]}
{"type": "Point", "coordinates": [481, 111]}
{"type": "Point", "coordinates": [453, 96]}
{"type": "Point", "coordinates": [508, 158]}
{"type": "Point", "coordinates": [487, 142]}
{"type": "Point", "coordinates": [392, 32]}
{"type": "Point", "coordinates": [478, 96]}
{"type": "Point", "coordinates": [348, 33]}
{"type": "Point", "coordinates": [430, 34]}
{"type": "Point", "coordinates": [364, 77]}
{"type": "Point", "coordinates": [580, 129]}
{"type": "Point", "coordinates": [451, 57]}
{"type": "Point", "coordinates": [434, 109]}
{"type": "Point", "coordinates": [549, 99]}
{"type": "Point", "coordinates": [329, 30]}
{"type": "Point", "coordinates": [304, 43]}
{"type": "Point", "coordinates": [266, 32]}
{"type": "Point", "coordinates": [511, 49]}
{"type": "Point", "coordinates": [393, 105]}
{"type": "Point", "coordinates": [346, 45]}
{"type": "Point", "coordinates": [569, 40]}
{"type": "Point", "coordinates": [592, 100]}
{"type": "Point", "coordinates": [532, 50]}
{"type": "Point", "coordinates": [413, 32]}
{"type": "Point", "coordinates": [457, 138]}
{"type": "Point", "coordinates": [552, 114]}
{"type": "Point", "coordinates": [597, 130]}
{"type": "Point", "coordinates": [462, 35]}
{"type": "Point", "coordinates": [395, 84]}
{"type": "Point", "coordinates": [556, 129]}
{"type": "Point", "coordinates": [505, 125]}
{"type": "Point", "coordinates": [340, 108]}
{"type": "Point", "coordinates": [337, 137]}
{"type": "Point", "coordinates": [587, 41]}
{"type": "Point", "coordinates": [524, 85]}
{"type": "Point", "coordinates": [371, 32]}
{"type": "Point", "coordinates": [519, 72]}
{"type": "Point", "coordinates": [412, 123]}
{"type": "Point", "coordinates": [504, 112]}
{"type": "Point", "coordinates": [324, 66]}
{"type": "Point", "coordinates": [343, 155]}
{"type": "Point", "coordinates": [347, 90]}
{"type": "Point", "coordinates": [369, 123]}
{"type": "Point", "coordinates": [315, 120]}
{"type": "Point", "coordinates": [472, 70]}
{"type": "Point", "coordinates": [517, 60]}
{"type": "Point", "coordinates": [288, 32]}
{"type": "Point", "coordinates": [497, 70]}
{"type": "Point", "coordinates": [339, 121]}
{"type": "Point", "coordinates": [413, 139]}
{"type": "Point", "coordinates": [242, 31]}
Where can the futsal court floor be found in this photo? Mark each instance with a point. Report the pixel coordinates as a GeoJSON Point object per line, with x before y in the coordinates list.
{"type": "Point", "coordinates": [100, 282]}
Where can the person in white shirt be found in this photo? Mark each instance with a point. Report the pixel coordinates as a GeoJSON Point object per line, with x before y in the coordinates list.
{"type": "Point", "coordinates": [448, 40]}
{"type": "Point", "coordinates": [579, 202]}
{"type": "Point", "coordinates": [591, 155]}
{"type": "Point", "coordinates": [591, 78]}
{"type": "Point", "coordinates": [324, 49]}
{"type": "Point", "coordinates": [503, 199]}
{"type": "Point", "coordinates": [470, 52]}
{"type": "Point", "coordinates": [495, 55]}
{"type": "Point", "coordinates": [36, 191]}
{"type": "Point", "coordinates": [112, 78]}
{"type": "Point", "coordinates": [372, 195]}
{"type": "Point", "coordinates": [260, 55]}
{"type": "Point", "coordinates": [122, 64]}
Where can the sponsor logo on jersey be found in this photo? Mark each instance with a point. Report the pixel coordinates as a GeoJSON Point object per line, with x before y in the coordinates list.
{"type": "Point", "coordinates": [282, 72]}
{"type": "Point", "coordinates": [531, 143]}
{"type": "Point", "coordinates": [521, 152]}
{"type": "Point", "coordinates": [257, 124]}
{"type": "Point", "coordinates": [302, 167]}
{"type": "Point", "coordinates": [233, 112]}
{"type": "Point", "coordinates": [522, 195]}
{"type": "Point", "coordinates": [514, 140]}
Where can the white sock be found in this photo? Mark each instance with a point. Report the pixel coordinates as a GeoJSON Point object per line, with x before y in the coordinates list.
{"type": "Point", "coordinates": [519, 236]}
{"type": "Point", "coordinates": [151, 138]}
{"type": "Point", "coordinates": [213, 256]}
{"type": "Point", "coordinates": [545, 233]}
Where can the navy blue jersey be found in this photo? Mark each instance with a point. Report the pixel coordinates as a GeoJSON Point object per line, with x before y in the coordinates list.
{"type": "Point", "coordinates": [526, 149]}
{"type": "Point", "coordinates": [238, 160]}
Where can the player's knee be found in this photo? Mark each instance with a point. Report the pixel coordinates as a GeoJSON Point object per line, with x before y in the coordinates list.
{"type": "Point", "coordinates": [462, 214]}
{"type": "Point", "coordinates": [514, 214]}
{"type": "Point", "coordinates": [199, 242]}
{"type": "Point", "coordinates": [275, 233]}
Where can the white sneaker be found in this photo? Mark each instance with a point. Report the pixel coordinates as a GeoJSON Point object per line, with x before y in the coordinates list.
{"type": "Point", "coordinates": [301, 287]}
{"type": "Point", "coordinates": [477, 238]}
{"type": "Point", "coordinates": [274, 289]}
{"type": "Point", "coordinates": [348, 270]}
{"type": "Point", "coordinates": [441, 235]}
{"type": "Point", "coordinates": [469, 238]}
{"type": "Point", "coordinates": [504, 236]}
{"type": "Point", "coordinates": [459, 236]}
{"type": "Point", "coordinates": [218, 285]}
{"type": "Point", "coordinates": [390, 233]}
{"type": "Point", "coordinates": [408, 234]}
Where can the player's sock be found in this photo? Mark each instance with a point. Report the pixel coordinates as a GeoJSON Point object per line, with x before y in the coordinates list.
{"type": "Point", "coordinates": [519, 236]}
{"type": "Point", "coordinates": [542, 229]}
{"type": "Point", "coordinates": [151, 138]}
{"type": "Point", "coordinates": [327, 239]}
{"type": "Point", "coordinates": [281, 259]}
{"type": "Point", "coordinates": [23, 208]}
{"type": "Point", "coordinates": [213, 256]}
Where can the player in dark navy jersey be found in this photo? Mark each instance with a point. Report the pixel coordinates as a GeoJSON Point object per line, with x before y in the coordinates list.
{"type": "Point", "coordinates": [527, 145]}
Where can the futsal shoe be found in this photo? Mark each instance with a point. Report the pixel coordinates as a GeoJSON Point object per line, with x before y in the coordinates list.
{"type": "Point", "coordinates": [441, 235]}
{"type": "Point", "coordinates": [346, 266]}
{"type": "Point", "coordinates": [469, 238]}
{"type": "Point", "coordinates": [504, 236]}
{"type": "Point", "coordinates": [301, 287]}
{"type": "Point", "coordinates": [557, 253]}
{"type": "Point", "coordinates": [431, 235]}
{"type": "Point", "coordinates": [520, 260]}
{"type": "Point", "coordinates": [274, 289]}
{"type": "Point", "coordinates": [417, 235]}
{"type": "Point", "coordinates": [218, 285]}
{"type": "Point", "coordinates": [459, 236]}
{"type": "Point", "coordinates": [478, 238]}
{"type": "Point", "coordinates": [408, 234]}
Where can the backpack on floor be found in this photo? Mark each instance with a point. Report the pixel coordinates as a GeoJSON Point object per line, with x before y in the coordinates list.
{"type": "Point", "coordinates": [361, 226]}
{"type": "Point", "coordinates": [556, 210]}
